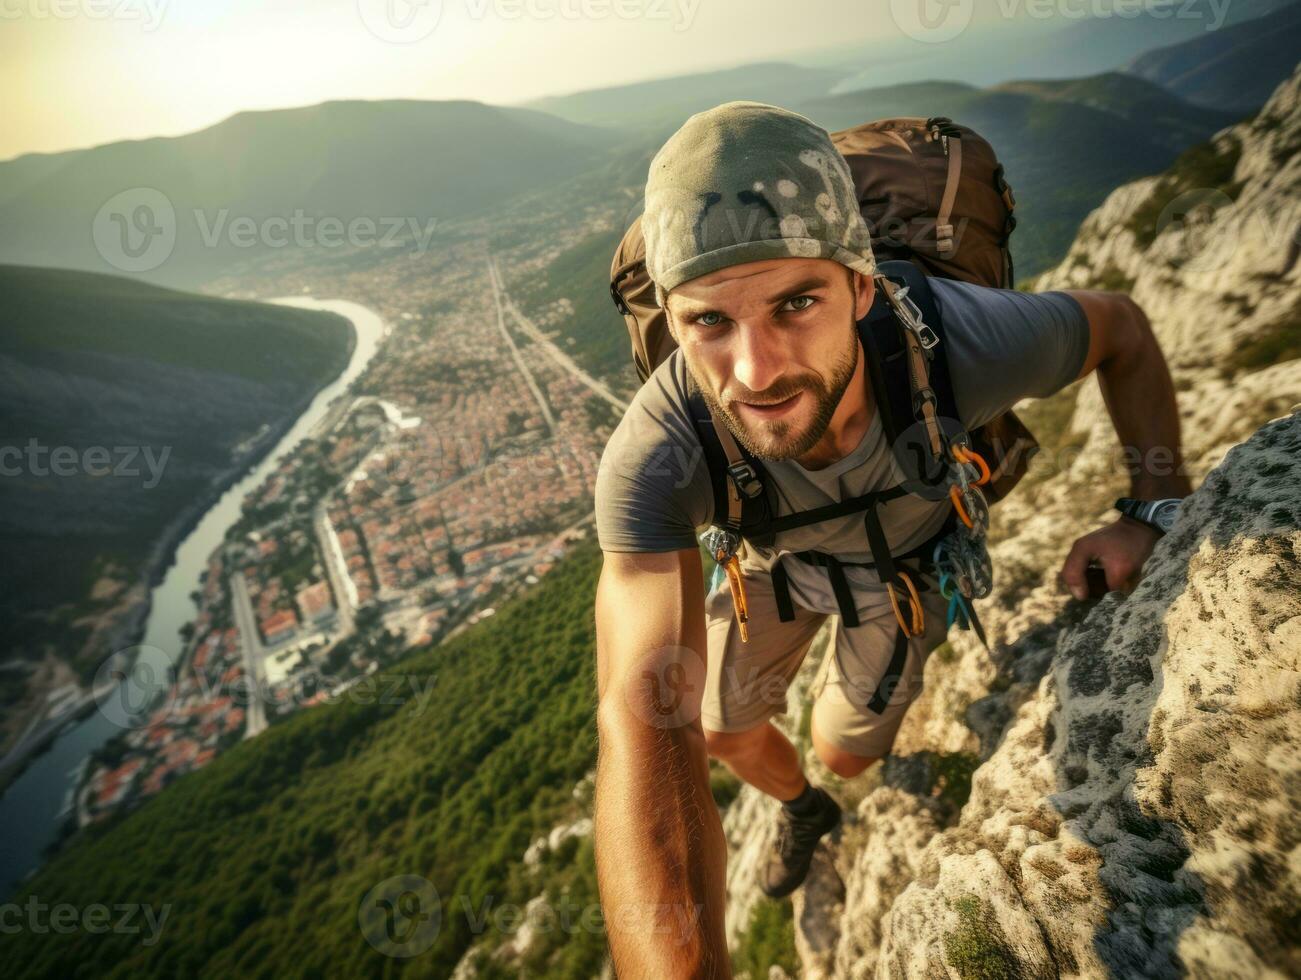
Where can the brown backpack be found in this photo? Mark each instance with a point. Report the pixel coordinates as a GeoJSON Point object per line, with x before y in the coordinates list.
{"type": "Point", "coordinates": [932, 193]}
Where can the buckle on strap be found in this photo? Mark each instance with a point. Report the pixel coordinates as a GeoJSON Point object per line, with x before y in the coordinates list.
{"type": "Point", "coordinates": [911, 315]}
{"type": "Point", "coordinates": [923, 397]}
{"type": "Point", "coordinates": [745, 479]}
{"type": "Point", "coordinates": [618, 299]}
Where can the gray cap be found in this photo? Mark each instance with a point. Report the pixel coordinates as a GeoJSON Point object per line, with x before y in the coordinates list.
{"type": "Point", "coordinates": [746, 181]}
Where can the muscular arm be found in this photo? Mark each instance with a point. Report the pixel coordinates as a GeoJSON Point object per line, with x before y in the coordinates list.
{"type": "Point", "coordinates": [660, 850]}
{"type": "Point", "coordinates": [1140, 398]}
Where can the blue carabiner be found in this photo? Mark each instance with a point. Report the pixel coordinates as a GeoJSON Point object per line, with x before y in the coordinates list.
{"type": "Point", "coordinates": [946, 584]}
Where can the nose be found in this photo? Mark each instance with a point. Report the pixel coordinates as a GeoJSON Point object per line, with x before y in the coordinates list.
{"type": "Point", "coordinates": [759, 358]}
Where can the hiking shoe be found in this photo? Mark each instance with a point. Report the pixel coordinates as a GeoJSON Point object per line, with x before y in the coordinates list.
{"type": "Point", "coordinates": [797, 838]}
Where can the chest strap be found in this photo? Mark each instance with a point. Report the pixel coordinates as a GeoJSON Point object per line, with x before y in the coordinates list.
{"type": "Point", "coordinates": [840, 584]}
{"type": "Point", "coordinates": [829, 512]}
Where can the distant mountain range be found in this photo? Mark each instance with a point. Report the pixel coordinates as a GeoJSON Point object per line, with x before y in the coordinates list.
{"type": "Point", "coordinates": [372, 178]}
{"type": "Point", "coordinates": [1057, 140]}
{"type": "Point", "coordinates": [148, 396]}
{"type": "Point", "coordinates": [1071, 43]}
{"type": "Point", "coordinates": [1235, 68]}
{"type": "Point", "coordinates": [412, 162]}
{"type": "Point", "coordinates": [668, 102]}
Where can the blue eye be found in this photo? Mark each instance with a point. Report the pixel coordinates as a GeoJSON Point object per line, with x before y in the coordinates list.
{"type": "Point", "coordinates": [709, 319]}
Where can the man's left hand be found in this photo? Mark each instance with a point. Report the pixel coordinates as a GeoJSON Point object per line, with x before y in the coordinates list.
{"type": "Point", "coordinates": [1120, 548]}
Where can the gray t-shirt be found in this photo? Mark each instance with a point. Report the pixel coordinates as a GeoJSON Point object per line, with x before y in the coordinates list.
{"type": "Point", "coordinates": [653, 490]}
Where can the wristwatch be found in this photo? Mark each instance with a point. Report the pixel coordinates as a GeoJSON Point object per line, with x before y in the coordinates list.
{"type": "Point", "coordinates": [1156, 514]}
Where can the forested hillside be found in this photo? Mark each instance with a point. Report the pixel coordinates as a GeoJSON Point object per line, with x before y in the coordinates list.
{"type": "Point", "coordinates": [444, 766]}
{"type": "Point", "coordinates": [149, 397]}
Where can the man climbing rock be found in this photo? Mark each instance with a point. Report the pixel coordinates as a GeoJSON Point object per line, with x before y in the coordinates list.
{"type": "Point", "coordinates": [777, 424]}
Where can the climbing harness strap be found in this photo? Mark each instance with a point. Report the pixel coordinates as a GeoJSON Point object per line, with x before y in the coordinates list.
{"type": "Point", "coordinates": [893, 674]}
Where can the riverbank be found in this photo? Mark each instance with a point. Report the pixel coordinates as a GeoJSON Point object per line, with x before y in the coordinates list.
{"type": "Point", "coordinates": [37, 790]}
{"type": "Point", "coordinates": [130, 631]}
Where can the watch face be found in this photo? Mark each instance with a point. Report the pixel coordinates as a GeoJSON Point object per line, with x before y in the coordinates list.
{"type": "Point", "coordinates": [1164, 514]}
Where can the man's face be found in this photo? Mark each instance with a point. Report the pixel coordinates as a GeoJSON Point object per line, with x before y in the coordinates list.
{"type": "Point", "coordinates": [772, 346]}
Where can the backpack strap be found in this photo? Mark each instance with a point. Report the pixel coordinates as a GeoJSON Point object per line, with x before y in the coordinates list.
{"type": "Point", "coordinates": [944, 237]}
{"type": "Point", "coordinates": [742, 493]}
{"type": "Point", "coordinates": [908, 367]}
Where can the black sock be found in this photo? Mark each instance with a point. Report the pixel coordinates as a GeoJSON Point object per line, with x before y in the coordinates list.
{"type": "Point", "coordinates": [807, 804]}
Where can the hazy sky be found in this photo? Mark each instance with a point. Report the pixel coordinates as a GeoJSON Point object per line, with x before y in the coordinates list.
{"type": "Point", "coordinates": [80, 72]}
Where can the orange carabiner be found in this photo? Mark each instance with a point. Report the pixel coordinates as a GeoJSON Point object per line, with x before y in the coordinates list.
{"type": "Point", "coordinates": [956, 496]}
{"type": "Point", "coordinates": [739, 602]}
{"type": "Point", "coordinates": [917, 620]}
{"type": "Point", "coordinates": [967, 456]}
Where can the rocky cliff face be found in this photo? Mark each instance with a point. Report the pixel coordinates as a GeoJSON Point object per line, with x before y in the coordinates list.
{"type": "Point", "coordinates": [1133, 780]}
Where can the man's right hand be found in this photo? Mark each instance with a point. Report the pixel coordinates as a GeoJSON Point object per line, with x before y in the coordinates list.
{"type": "Point", "coordinates": [660, 851]}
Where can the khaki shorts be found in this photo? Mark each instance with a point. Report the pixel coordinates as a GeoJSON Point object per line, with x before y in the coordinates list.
{"type": "Point", "coordinates": [857, 708]}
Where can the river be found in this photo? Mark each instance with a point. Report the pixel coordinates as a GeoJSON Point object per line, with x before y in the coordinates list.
{"type": "Point", "coordinates": [30, 808]}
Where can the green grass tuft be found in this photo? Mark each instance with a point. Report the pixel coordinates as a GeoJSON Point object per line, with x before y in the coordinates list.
{"type": "Point", "coordinates": [769, 940]}
{"type": "Point", "coordinates": [978, 949]}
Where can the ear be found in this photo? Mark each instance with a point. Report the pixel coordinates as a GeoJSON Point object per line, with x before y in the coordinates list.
{"type": "Point", "coordinates": [864, 293]}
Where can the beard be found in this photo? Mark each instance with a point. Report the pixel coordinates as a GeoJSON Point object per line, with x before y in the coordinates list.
{"type": "Point", "coordinates": [780, 440]}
